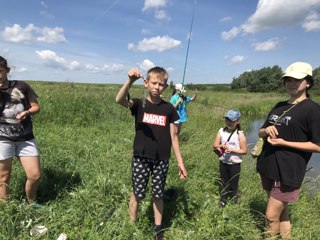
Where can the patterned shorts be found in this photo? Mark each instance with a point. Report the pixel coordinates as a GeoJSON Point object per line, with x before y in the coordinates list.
{"type": "Point", "coordinates": [141, 170]}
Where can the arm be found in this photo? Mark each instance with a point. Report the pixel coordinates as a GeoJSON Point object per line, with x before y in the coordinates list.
{"type": "Point", "coordinates": [177, 103]}
{"type": "Point", "coordinates": [121, 97]}
{"type": "Point", "coordinates": [176, 148]}
{"type": "Point", "coordinates": [194, 95]}
{"type": "Point", "coordinates": [34, 108]}
{"type": "Point", "coordinates": [302, 146]}
{"type": "Point", "coordinates": [217, 142]}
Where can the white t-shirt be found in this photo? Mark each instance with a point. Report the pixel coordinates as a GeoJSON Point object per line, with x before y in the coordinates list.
{"type": "Point", "coordinates": [230, 158]}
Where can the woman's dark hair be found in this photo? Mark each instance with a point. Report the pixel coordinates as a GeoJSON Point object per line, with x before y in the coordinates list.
{"type": "Point", "coordinates": [173, 91]}
{"type": "Point", "coordinates": [310, 81]}
{"type": "Point", "coordinates": [3, 62]}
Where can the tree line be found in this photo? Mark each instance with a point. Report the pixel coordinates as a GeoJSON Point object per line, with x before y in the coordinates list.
{"type": "Point", "coordinates": [266, 80]}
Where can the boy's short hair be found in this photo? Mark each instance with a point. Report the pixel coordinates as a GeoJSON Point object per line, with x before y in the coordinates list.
{"type": "Point", "coordinates": [161, 72]}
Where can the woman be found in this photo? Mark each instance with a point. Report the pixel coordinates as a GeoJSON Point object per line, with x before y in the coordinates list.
{"type": "Point", "coordinates": [18, 102]}
{"type": "Point", "coordinates": [292, 133]}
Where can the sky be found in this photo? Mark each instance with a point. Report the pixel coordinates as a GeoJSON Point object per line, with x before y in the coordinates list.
{"type": "Point", "coordinates": [98, 41]}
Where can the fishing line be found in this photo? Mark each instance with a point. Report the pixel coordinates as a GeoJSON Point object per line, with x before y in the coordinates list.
{"type": "Point", "coordinates": [190, 33]}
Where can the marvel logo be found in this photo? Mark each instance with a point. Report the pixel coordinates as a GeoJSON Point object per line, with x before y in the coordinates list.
{"type": "Point", "coordinates": [154, 119]}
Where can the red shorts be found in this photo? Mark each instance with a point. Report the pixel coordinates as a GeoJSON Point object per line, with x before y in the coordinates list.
{"type": "Point", "coordinates": [279, 191]}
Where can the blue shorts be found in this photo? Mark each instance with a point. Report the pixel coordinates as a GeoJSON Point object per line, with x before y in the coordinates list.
{"type": "Point", "coordinates": [141, 170]}
{"type": "Point", "coordinates": [9, 149]}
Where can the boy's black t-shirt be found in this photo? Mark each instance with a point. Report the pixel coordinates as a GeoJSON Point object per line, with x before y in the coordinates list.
{"type": "Point", "coordinates": [14, 100]}
{"type": "Point", "coordinates": [300, 124]}
{"type": "Point", "coordinates": [152, 124]}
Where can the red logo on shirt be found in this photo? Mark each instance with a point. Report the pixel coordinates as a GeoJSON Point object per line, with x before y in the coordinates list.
{"type": "Point", "coordinates": [154, 119]}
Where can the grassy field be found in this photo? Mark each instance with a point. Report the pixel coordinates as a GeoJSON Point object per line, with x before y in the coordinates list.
{"type": "Point", "coordinates": [85, 140]}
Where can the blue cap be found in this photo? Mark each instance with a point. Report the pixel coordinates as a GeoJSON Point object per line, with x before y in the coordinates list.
{"type": "Point", "coordinates": [233, 115]}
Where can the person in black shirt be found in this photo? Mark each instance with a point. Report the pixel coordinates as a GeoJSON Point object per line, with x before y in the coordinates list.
{"type": "Point", "coordinates": [155, 134]}
{"type": "Point", "coordinates": [18, 102]}
{"type": "Point", "coordinates": [291, 133]}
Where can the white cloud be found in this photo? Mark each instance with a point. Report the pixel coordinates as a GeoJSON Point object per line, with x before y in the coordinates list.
{"type": "Point", "coordinates": [18, 34]}
{"type": "Point", "coordinates": [312, 22]}
{"type": "Point", "coordinates": [149, 4]}
{"type": "Point", "coordinates": [274, 13]}
{"type": "Point", "coordinates": [105, 68]}
{"type": "Point", "coordinates": [146, 64]}
{"type": "Point", "coordinates": [227, 36]}
{"type": "Point", "coordinates": [145, 31]}
{"type": "Point", "coordinates": [268, 45]}
{"type": "Point", "coordinates": [161, 15]}
{"type": "Point", "coordinates": [226, 19]}
{"type": "Point", "coordinates": [22, 69]}
{"type": "Point", "coordinates": [51, 35]}
{"type": "Point", "coordinates": [237, 59]}
{"type": "Point", "coordinates": [4, 51]}
{"type": "Point", "coordinates": [159, 44]}
{"type": "Point", "coordinates": [32, 33]}
{"type": "Point", "coordinates": [47, 15]}
{"type": "Point", "coordinates": [54, 61]}
{"type": "Point", "coordinates": [43, 4]}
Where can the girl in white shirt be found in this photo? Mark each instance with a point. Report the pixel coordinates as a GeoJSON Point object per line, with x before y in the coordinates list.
{"type": "Point", "coordinates": [230, 144]}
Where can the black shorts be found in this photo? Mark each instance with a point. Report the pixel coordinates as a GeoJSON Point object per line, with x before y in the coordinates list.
{"type": "Point", "coordinates": [141, 170]}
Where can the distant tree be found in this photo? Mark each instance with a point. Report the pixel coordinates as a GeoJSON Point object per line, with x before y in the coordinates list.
{"type": "Point", "coordinates": [263, 80]}
{"type": "Point", "coordinates": [171, 84]}
{"type": "Point", "coordinates": [316, 77]}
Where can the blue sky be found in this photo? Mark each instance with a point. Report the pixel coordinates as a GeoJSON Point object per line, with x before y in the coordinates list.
{"type": "Point", "coordinates": [98, 41]}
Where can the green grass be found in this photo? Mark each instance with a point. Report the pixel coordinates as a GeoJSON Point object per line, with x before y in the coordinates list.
{"type": "Point", "coordinates": [85, 140]}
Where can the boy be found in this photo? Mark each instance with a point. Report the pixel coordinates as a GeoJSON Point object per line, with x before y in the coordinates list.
{"type": "Point", "coordinates": [155, 133]}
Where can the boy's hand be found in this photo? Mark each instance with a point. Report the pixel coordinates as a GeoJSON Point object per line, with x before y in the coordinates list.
{"type": "Point", "coordinates": [134, 75]}
{"type": "Point", "coordinates": [182, 171]}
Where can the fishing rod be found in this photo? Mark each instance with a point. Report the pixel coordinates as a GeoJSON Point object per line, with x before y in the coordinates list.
{"type": "Point", "coordinates": [190, 33]}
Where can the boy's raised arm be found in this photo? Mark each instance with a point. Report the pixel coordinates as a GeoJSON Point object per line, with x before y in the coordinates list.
{"type": "Point", "coordinates": [122, 95]}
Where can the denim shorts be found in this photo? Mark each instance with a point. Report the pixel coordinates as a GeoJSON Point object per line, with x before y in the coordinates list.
{"type": "Point", "coordinates": [9, 149]}
{"type": "Point", "coordinates": [280, 191]}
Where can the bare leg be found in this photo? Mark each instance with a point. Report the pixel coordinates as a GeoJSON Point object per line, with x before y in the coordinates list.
{"type": "Point", "coordinates": [31, 166]}
{"type": "Point", "coordinates": [133, 208]}
{"type": "Point", "coordinates": [5, 172]}
{"type": "Point", "coordinates": [285, 225]}
{"type": "Point", "coordinates": [157, 210]}
{"type": "Point", "coordinates": [273, 213]}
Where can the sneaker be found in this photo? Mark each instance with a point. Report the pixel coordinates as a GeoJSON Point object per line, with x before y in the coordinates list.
{"type": "Point", "coordinates": [222, 204]}
{"type": "Point", "coordinates": [35, 205]}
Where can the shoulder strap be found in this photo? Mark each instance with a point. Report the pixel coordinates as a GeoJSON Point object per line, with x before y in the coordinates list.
{"type": "Point", "coordinates": [231, 135]}
{"type": "Point", "coordinates": [284, 112]}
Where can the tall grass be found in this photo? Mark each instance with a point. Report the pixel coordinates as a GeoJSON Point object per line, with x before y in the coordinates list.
{"type": "Point", "coordinates": [85, 141]}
